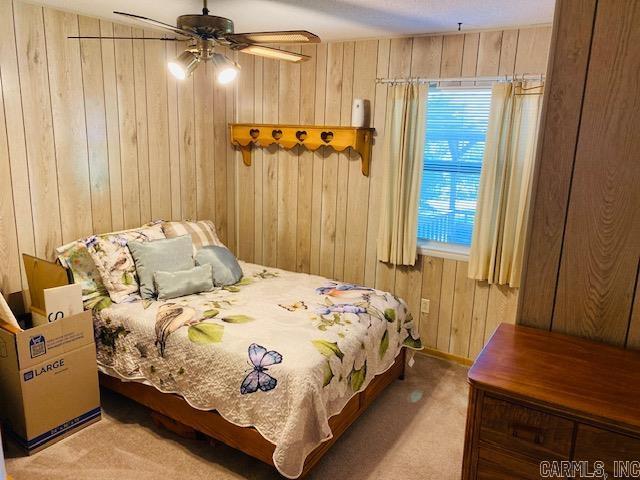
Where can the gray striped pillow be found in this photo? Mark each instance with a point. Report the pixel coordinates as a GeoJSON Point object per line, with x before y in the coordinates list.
{"type": "Point", "coordinates": [203, 233]}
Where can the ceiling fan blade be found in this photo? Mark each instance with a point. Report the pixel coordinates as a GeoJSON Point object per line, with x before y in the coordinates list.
{"type": "Point", "coordinates": [159, 24]}
{"type": "Point", "coordinates": [292, 36]}
{"type": "Point", "coordinates": [274, 53]}
{"type": "Point", "coordinates": [127, 38]}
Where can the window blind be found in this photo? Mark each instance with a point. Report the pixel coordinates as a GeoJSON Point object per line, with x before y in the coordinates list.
{"type": "Point", "coordinates": [456, 128]}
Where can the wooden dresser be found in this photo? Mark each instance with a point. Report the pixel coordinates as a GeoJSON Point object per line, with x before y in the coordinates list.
{"type": "Point", "coordinates": [540, 396]}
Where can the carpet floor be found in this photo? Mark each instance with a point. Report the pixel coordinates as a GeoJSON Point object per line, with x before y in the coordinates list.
{"type": "Point", "coordinates": [414, 430]}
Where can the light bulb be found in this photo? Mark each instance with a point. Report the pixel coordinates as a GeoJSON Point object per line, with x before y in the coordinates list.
{"type": "Point", "coordinates": [227, 75]}
{"type": "Point", "coordinates": [177, 70]}
{"type": "Point", "coordinates": [226, 70]}
{"type": "Point", "coordinates": [184, 65]}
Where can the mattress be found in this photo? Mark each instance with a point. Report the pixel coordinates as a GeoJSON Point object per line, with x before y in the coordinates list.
{"type": "Point", "coordinates": [279, 351]}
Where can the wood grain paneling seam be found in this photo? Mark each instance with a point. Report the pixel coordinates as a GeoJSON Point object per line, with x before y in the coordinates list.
{"type": "Point", "coordinates": [573, 166]}
{"type": "Point", "coordinates": [571, 44]}
{"type": "Point", "coordinates": [93, 226]}
{"type": "Point", "coordinates": [19, 152]}
{"type": "Point", "coordinates": [49, 250]}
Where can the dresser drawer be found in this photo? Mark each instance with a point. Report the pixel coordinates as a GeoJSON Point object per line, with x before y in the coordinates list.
{"type": "Point", "coordinates": [595, 444]}
{"type": "Point", "coordinates": [523, 430]}
{"type": "Point", "coordinates": [497, 465]}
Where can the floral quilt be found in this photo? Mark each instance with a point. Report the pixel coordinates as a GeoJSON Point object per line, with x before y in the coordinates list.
{"type": "Point", "coordinates": [278, 351]}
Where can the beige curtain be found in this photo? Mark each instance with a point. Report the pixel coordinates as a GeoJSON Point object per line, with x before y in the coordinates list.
{"type": "Point", "coordinates": [505, 184]}
{"type": "Point", "coordinates": [403, 159]}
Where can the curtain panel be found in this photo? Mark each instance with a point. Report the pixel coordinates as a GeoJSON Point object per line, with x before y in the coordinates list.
{"type": "Point", "coordinates": [505, 183]}
{"type": "Point", "coordinates": [403, 152]}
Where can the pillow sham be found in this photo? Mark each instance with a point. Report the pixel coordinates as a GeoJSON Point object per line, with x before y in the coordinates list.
{"type": "Point", "coordinates": [225, 267]}
{"type": "Point", "coordinates": [75, 256]}
{"type": "Point", "coordinates": [202, 233]}
{"type": "Point", "coordinates": [183, 282]}
{"type": "Point", "coordinates": [115, 263]}
{"type": "Point", "coordinates": [168, 255]}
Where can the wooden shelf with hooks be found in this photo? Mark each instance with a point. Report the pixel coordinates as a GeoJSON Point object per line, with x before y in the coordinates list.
{"type": "Point", "coordinates": [312, 137]}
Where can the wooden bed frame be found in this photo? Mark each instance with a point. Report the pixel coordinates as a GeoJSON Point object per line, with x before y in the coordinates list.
{"type": "Point", "coordinates": [175, 413]}
{"type": "Point", "coordinates": [248, 439]}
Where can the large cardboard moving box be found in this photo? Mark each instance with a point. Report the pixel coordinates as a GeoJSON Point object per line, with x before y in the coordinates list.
{"type": "Point", "coordinates": [48, 379]}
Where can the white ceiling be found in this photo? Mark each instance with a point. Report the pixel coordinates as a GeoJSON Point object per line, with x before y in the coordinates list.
{"type": "Point", "coordinates": [335, 19]}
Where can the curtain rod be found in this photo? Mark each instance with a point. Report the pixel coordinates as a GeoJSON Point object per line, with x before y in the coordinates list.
{"type": "Point", "coordinates": [497, 78]}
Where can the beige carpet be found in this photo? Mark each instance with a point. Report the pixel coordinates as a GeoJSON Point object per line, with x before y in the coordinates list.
{"type": "Point", "coordinates": [414, 430]}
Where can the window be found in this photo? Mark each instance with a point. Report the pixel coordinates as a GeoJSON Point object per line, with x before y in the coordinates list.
{"type": "Point", "coordinates": [455, 133]}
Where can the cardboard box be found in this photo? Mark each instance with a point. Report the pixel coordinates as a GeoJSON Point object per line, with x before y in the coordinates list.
{"type": "Point", "coordinates": [48, 378]}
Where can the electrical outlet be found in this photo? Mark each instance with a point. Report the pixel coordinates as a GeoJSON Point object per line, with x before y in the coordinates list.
{"type": "Point", "coordinates": [424, 305]}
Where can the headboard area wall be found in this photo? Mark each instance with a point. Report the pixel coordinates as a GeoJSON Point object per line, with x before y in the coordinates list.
{"type": "Point", "coordinates": [315, 212]}
{"type": "Point", "coordinates": [95, 136]}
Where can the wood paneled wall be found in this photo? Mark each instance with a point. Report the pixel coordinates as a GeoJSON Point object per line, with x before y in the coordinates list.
{"type": "Point", "coordinates": [95, 136]}
{"type": "Point", "coordinates": [315, 212]}
{"type": "Point", "coordinates": [583, 253]}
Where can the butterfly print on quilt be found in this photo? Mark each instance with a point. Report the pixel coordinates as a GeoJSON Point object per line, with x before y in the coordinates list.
{"type": "Point", "coordinates": [258, 379]}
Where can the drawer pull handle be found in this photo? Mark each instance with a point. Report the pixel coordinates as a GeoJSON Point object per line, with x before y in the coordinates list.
{"type": "Point", "coordinates": [528, 434]}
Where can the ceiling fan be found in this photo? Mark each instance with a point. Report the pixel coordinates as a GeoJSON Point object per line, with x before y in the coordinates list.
{"type": "Point", "coordinates": [206, 31]}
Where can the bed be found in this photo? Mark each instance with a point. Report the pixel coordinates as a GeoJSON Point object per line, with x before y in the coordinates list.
{"type": "Point", "coordinates": [277, 366]}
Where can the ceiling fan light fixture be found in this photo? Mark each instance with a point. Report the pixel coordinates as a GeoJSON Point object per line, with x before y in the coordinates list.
{"type": "Point", "coordinates": [226, 69]}
{"type": "Point", "coordinates": [205, 32]}
{"type": "Point", "coordinates": [184, 65]}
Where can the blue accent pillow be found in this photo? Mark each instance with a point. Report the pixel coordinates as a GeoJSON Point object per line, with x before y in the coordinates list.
{"type": "Point", "coordinates": [184, 282]}
{"type": "Point", "coordinates": [170, 255]}
{"type": "Point", "coordinates": [226, 269]}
